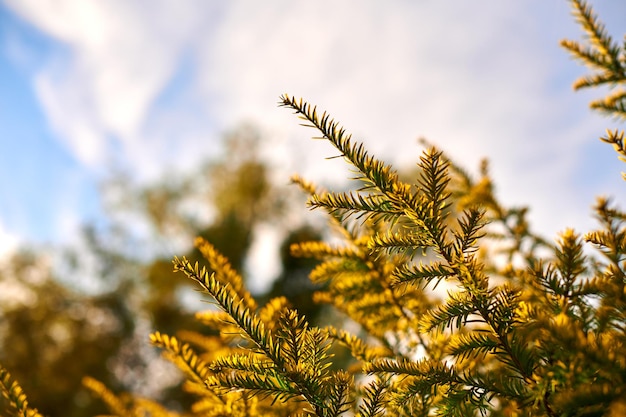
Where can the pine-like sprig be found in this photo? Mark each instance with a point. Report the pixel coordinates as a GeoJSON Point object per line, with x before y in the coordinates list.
{"type": "Point", "coordinates": [604, 56]}
{"type": "Point", "coordinates": [374, 399]}
{"type": "Point", "coordinates": [126, 405]}
{"type": "Point", "coordinates": [183, 355]}
{"type": "Point", "coordinates": [14, 393]}
{"type": "Point", "coordinates": [616, 138]}
{"type": "Point", "coordinates": [360, 350]}
{"type": "Point", "coordinates": [423, 212]}
{"type": "Point", "coordinates": [372, 172]}
{"type": "Point", "coordinates": [251, 327]}
{"type": "Point", "coordinates": [287, 360]}
{"type": "Point", "coordinates": [224, 272]}
{"type": "Point", "coordinates": [115, 404]}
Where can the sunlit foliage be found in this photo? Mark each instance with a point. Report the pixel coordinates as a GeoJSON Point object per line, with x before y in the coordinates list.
{"type": "Point", "coordinates": [453, 306]}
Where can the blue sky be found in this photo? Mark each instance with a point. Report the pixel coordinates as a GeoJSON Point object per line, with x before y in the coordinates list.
{"type": "Point", "coordinates": [150, 85]}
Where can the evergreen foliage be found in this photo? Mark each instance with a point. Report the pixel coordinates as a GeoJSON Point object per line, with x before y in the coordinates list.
{"type": "Point", "coordinates": [12, 391]}
{"type": "Point", "coordinates": [604, 56]}
{"type": "Point", "coordinates": [51, 332]}
{"type": "Point", "coordinates": [607, 59]}
{"type": "Point", "coordinates": [454, 307]}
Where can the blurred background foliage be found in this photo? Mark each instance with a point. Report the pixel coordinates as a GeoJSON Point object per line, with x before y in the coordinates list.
{"type": "Point", "coordinates": [87, 310]}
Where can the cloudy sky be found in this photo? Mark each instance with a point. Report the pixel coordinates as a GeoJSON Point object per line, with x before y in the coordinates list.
{"type": "Point", "coordinates": [150, 85]}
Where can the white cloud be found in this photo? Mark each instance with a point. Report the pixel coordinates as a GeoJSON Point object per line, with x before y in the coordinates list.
{"type": "Point", "coordinates": [479, 80]}
{"type": "Point", "coordinates": [118, 57]}
{"type": "Point", "coordinates": [8, 243]}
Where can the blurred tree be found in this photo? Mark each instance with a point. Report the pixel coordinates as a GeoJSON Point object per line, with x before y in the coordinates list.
{"type": "Point", "coordinates": [59, 334]}
{"type": "Point", "coordinates": [224, 201]}
{"type": "Point", "coordinates": [52, 336]}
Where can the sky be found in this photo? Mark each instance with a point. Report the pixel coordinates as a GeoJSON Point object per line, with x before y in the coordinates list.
{"type": "Point", "coordinates": [152, 85]}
